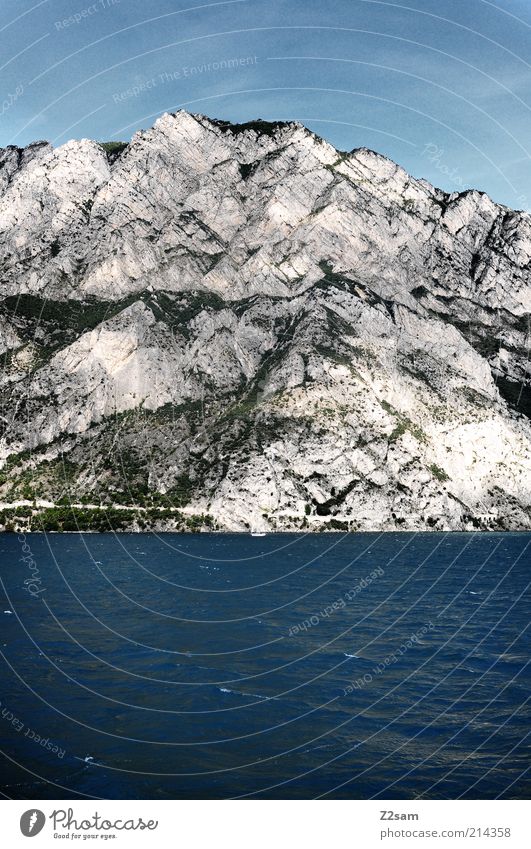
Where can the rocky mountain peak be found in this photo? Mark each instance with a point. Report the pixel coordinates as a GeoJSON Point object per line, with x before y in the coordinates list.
{"type": "Point", "coordinates": [256, 327]}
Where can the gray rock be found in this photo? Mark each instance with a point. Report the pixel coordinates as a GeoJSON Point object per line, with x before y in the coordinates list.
{"type": "Point", "coordinates": [241, 321]}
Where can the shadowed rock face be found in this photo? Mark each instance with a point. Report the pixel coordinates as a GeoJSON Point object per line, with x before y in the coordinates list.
{"type": "Point", "coordinates": [264, 329]}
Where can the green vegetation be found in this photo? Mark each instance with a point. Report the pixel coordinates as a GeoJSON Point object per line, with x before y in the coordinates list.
{"type": "Point", "coordinates": [342, 157]}
{"type": "Point", "coordinates": [338, 525]}
{"type": "Point", "coordinates": [68, 315]}
{"type": "Point", "coordinates": [261, 127]}
{"type": "Point", "coordinates": [179, 495]}
{"type": "Point", "coordinates": [329, 353]}
{"type": "Point", "coordinates": [54, 478]}
{"type": "Point", "coordinates": [114, 147]}
{"type": "Point", "coordinates": [438, 473]}
{"type": "Point", "coordinates": [11, 463]}
{"type": "Point", "coordinates": [329, 275]}
{"type": "Point", "coordinates": [63, 321]}
{"type": "Point", "coordinates": [399, 431]}
{"type": "Point", "coordinates": [179, 310]}
{"type": "Point", "coordinates": [403, 425]}
{"type": "Point", "coordinates": [65, 518]}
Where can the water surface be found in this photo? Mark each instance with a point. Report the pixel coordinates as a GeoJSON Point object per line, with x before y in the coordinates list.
{"type": "Point", "coordinates": [288, 666]}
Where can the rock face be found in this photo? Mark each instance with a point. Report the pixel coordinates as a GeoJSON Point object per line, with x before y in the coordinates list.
{"type": "Point", "coordinates": [241, 321]}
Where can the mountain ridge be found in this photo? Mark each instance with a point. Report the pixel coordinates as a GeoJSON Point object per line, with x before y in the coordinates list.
{"type": "Point", "coordinates": [270, 332]}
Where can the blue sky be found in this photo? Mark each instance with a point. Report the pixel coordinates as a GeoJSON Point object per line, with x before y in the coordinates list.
{"type": "Point", "coordinates": [443, 88]}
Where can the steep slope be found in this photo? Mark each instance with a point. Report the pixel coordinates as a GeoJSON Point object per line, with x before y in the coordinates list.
{"type": "Point", "coordinates": [242, 323]}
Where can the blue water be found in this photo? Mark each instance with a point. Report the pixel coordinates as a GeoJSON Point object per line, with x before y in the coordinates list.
{"type": "Point", "coordinates": [217, 666]}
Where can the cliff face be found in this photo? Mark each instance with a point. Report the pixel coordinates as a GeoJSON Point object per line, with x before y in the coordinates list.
{"type": "Point", "coordinates": [240, 321]}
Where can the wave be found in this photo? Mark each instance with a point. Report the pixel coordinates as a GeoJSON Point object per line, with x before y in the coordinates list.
{"type": "Point", "coordinates": [245, 695]}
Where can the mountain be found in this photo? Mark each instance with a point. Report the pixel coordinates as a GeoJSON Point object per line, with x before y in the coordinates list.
{"type": "Point", "coordinates": [238, 326]}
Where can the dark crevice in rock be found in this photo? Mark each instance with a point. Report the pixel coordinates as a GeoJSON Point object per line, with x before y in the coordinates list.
{"type": "Point", "coordinates": [517, 395]}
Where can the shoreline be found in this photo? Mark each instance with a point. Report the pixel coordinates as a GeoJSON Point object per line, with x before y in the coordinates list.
{"type": "Point", "coordinates": [303, 532]}
{"type": "Point", "coordinates": [43, 516]}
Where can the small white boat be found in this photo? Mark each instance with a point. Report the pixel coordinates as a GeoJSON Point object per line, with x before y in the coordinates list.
{"type": "Point", "coordinates": [258, 533]}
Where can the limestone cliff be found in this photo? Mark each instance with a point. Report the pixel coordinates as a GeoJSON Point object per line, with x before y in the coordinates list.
{"type": "Point", "coordinates": [241, 322]}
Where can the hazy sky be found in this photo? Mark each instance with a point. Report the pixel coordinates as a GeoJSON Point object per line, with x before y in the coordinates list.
{"type": "Point", "coordinates": [441, 86]}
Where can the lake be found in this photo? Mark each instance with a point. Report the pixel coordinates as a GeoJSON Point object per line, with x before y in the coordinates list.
{"type": "Point", "coordinates": [287, 666]}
